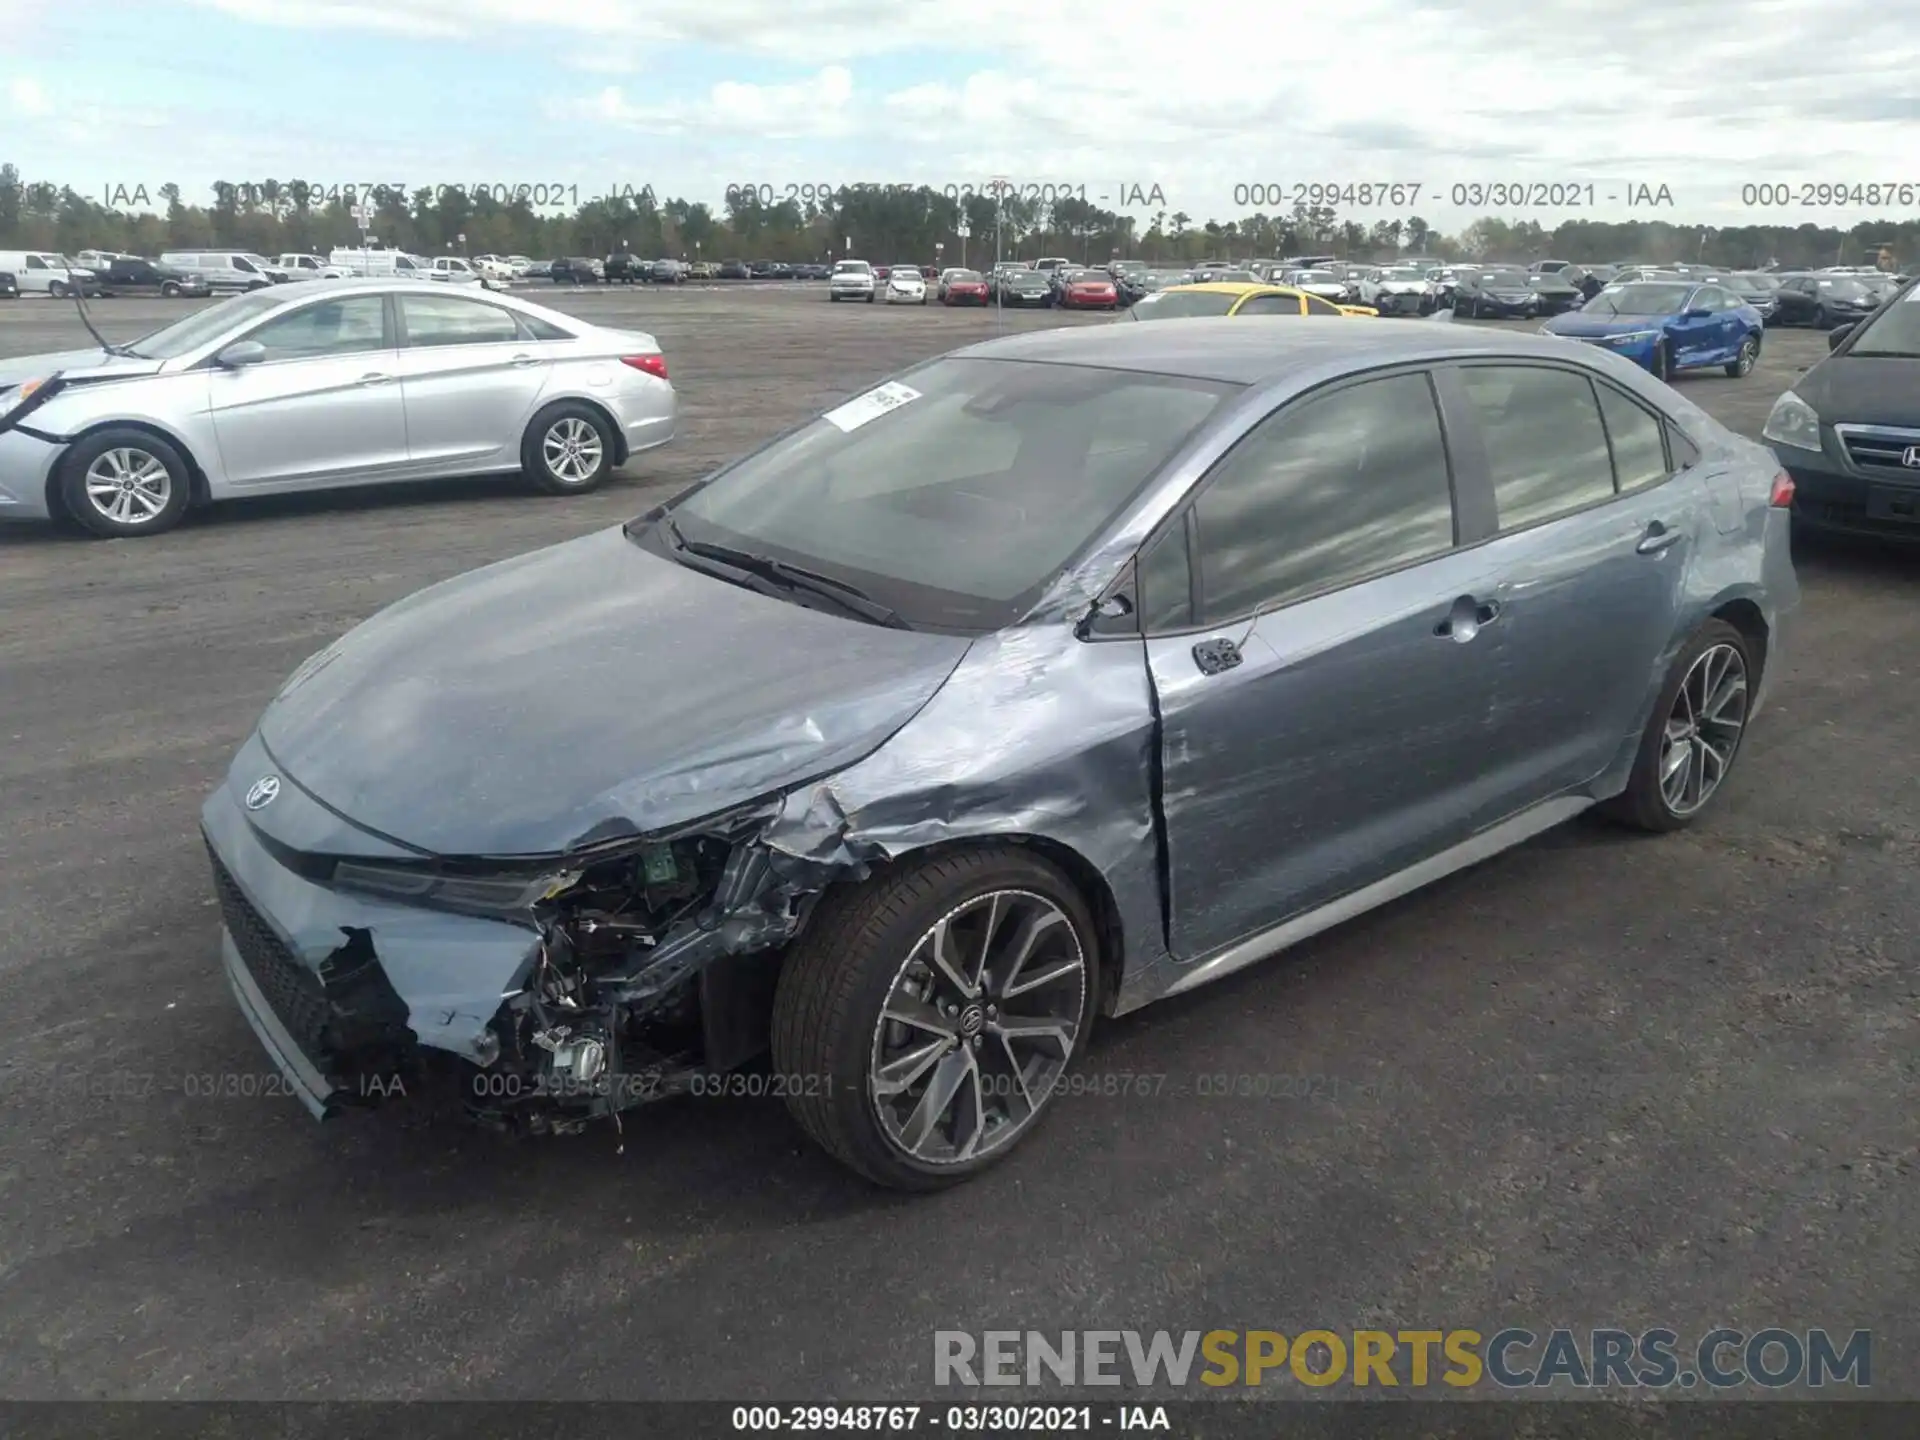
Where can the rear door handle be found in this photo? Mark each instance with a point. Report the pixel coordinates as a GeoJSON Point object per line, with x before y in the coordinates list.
{"type": "Point", "coordinates": [1465, 619]}
{"type": "Point", "coordinates": [375, 378]}
{"type": "Point", "coordinates": [1658, 538]}
{"type": "Point", "coordinates": [522, 361]}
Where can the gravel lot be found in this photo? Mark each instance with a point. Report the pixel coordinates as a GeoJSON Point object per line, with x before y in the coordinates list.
{"type": "Point", "coordinates": [1613, 1080]}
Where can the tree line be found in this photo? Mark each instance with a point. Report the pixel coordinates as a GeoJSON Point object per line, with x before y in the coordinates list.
{"type": "Point", "coordinates": [877, 223]}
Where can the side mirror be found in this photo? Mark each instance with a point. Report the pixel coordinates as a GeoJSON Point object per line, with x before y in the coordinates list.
{"type": "Point", "coordinates": [241, 354]}
{"type": "Point", "coordinates": [1699, 312]}
{"type": "Point", "coordinates": [1839, 333]}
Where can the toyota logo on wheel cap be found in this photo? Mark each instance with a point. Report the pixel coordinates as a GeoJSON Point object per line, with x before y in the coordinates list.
{"type": "Point", "coordinates": [263, 792]}
{"type": "Point", "coordinates": [1911, 457]}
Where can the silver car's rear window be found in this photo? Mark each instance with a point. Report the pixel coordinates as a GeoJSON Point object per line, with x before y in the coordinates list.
{"type": "Point", "coordinates": [957, 497]}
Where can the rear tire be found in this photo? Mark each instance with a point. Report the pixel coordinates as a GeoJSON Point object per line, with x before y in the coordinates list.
{"type": "Point", "coordinates": [568, 449]}
{"type": "Point", "coordinates": [120, 483]}
{"type": "Point", "coordinates": [1717, 672]}
{"type": "Point", "coordinates": [868, 954]}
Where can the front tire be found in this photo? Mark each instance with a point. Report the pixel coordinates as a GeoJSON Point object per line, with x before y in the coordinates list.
{"type": "Point", "coordinates": [122, 482]}
{"type": "Point", "coordinates": [1662, 362]}
{"type": "Point", "coordinates": [1742, 364]}
{"type": "Point", "coordinates": [928, 1017]}
{"type": "Point", "coordinates": [568, 449]}
{"type": "Point", "coordinates": [1694, 735]}
{"type": "Point", "coordinates": [170, 291]}
{"type": "Point", "coordinates": [59, 290]}
{"type": "Point", "coordinates": [1823, 318]}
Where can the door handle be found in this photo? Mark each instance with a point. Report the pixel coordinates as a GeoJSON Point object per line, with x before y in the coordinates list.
{"type": "Point", "coordinates": [1466, 617]}
{"type": "Point", "coordinates": [375, 378]}
{"type": "Point", "coordinates": [520, 362]}
{"type": "Point", "coordinates": [1658, 538]}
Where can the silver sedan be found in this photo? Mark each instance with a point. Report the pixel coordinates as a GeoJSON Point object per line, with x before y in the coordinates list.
{"type": "Point", "coordinates": [321, 384]}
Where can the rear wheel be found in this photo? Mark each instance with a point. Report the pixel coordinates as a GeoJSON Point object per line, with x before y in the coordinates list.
{"type": "Point", "coordinates": [122, 482]}
{"type": "Point", "coordinates": [928, 1017]}
{"type": "Point", "coordinates": [1695, 732]}
{"type": "Point", "coordinates": [568, 449]}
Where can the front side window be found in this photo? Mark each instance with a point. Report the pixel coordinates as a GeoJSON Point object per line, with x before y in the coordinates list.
{"type": "Point", "coordinates": [451, 320]}
{"type": "Point", "coordinates": [1328, 491]}
{"type": "Point", "coordinates": [1317, 306]}
{"type": "Point", "coordinates": [1546, 448]}
{"type": "Point", "coordinates": [350, 326]}
{"type": "Point", "coordinates": [240, 262]}
{"type": "Point", "coordinates": [1165, 583]}
{"type": "Point", "coordinates": [1270, 305]}
{"type": "Point", "coordinates": [957, 493]}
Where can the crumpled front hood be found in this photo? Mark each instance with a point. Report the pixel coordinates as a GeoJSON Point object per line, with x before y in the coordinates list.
{"type": "Point", "coordinates": [587, 692]}
{"type": "Point", "coordinates": [77, 364]}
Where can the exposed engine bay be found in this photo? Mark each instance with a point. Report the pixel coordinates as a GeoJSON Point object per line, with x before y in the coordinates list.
{"type": "Point", "coordinates": [656, 965]}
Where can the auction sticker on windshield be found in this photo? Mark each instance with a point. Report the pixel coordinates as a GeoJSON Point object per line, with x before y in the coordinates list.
{"type": "Point", "coordinates": [871, 406]}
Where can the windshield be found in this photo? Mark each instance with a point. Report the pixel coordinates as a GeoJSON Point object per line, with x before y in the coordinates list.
{"type": "Point", "coordinates": [1182, 305]}
{"type": "Point", "coordinates": [963, 277]}
{"type": "Point", "coordinates": [1753, 282]}
{"type": "Point", "coordinates": [1403, 272]}
{"type": "Point", "coordinates": [957, 494]}
{"type": "Point", "coordinates": [1840, 285]}
{"type": "Point", "coordinates": [1894, 332]}
{"type": "Point", "coordinates": [1640, 299]}
{"type": "Point", "coordinates": [1505, 277]}
{"type": "Point", "coordinates": [204, 326]}
{"type": "Point", "coordinates": [1315, 277]}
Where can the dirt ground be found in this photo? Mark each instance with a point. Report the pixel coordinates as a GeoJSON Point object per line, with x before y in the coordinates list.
{"type": "Point", "coordinates": [1604, 1080]}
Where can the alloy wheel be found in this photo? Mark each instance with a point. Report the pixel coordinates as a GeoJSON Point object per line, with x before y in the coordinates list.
{"type": "Point", "coordinates": [1749, 352]}
{"type": "Point", "coordinates": [572, 450]}
{"type": "Point", "coordinates": [1704, 727]}
{"type": "Point", "coordinates": [128, 486]}
{"type": "Point", "coordinates": [978, 1027]}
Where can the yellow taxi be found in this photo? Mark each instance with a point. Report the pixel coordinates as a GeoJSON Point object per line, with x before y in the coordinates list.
{"type": "Point", "coordinates": [1235, 297]}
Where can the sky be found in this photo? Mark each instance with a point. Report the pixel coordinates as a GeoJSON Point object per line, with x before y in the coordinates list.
{"type": "Point", "coordinates": [1141, 108]}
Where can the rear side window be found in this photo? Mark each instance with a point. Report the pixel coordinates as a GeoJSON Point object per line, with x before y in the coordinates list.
{"type": "Point", "coordinates": [1546, 448]}
{"type": "Point", "coordinates": [1323, 493]}
{"type": "Point", "coordinates": [452, 320]}
{"type": "Point", "coordinates": [1637, 439]}
{"type": "Point", "coordinates": [538, 329]}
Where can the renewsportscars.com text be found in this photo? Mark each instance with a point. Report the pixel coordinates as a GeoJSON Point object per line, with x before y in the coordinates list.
{"type": "Point", "coordinates": [1511, 1358]}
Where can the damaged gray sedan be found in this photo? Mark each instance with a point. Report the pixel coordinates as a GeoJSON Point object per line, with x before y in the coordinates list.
{"type": "Point", "coordinates": [1061, 674]}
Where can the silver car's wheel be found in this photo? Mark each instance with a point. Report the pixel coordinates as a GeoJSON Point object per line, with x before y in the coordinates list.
{"type": "Point", "coordinates": [572, 450]}
{"type": "Point", "coordinates": [1704, 727]}
{"type": "Point", "coordinates": [926, 1018]}
{"type": "Point", "coordinates": [128, 485]}
{"type": "Point", "coordinates": [980, 1024]}
{"type": "Point", "coordinates": [123, 481]}
{"type": "Point", "coordinates": [1694, 734]}
{"type": "Point", "coordinates": [568, 449]}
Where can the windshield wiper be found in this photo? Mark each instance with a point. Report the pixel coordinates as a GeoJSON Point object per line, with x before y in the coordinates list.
{"type": "Point", "coordinates": [794, 577]}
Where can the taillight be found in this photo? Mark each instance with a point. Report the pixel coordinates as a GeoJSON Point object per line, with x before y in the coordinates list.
{"type": "Point", "coordinates": [655, 365]}
{"type": "Point", "coordinates": [1782, 495]}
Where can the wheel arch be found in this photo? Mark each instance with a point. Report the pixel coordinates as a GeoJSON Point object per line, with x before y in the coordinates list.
{"type": "Point", "coordinates": [1087, 879]}
{"type": "Point", "coordinates": [1745, 615]}
{"type": "Point", "coordinates": [201, 491]}
{"type": "Point", "coordinates": [599, 407]}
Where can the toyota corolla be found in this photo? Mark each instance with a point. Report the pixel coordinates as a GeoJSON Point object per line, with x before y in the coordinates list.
{"type": "Point", "coordinates": [1060, 674]}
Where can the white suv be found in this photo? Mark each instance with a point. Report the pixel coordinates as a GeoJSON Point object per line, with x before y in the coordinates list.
{"type": "Point", "coordinates": [851, 280]}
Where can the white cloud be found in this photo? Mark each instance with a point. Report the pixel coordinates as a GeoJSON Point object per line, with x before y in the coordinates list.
{"type": "Point", "coordinates": [815, 108]}
{"type": "Point", "coordinates": [27, 97]}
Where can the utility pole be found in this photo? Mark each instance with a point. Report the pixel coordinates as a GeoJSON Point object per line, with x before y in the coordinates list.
{"type": "Point", "coordinates": [999, 246]}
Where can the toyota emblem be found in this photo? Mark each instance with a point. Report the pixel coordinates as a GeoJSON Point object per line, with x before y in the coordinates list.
{"type": "Point", "coordinates": [264, 792]}
{"type": "Point", "coordinates": [1911, 457]}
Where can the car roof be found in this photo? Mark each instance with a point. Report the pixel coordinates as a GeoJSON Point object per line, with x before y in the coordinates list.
{"type": "Point", "coordinates": [1249, 351]}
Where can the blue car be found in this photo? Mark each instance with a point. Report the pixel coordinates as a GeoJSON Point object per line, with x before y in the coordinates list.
{"type": "Point", "coordinates": [1668, 326]}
